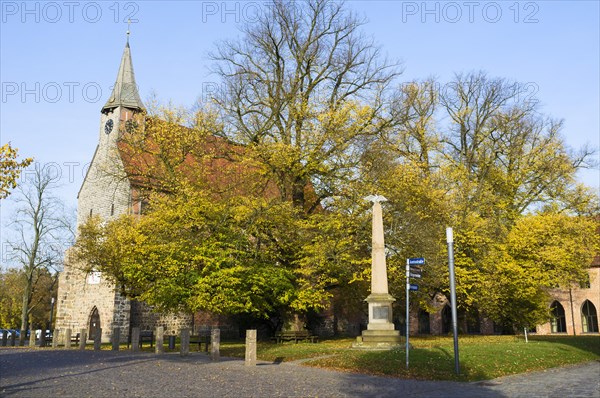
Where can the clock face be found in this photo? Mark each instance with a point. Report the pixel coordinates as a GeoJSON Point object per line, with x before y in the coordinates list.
{"type": "Point", "coordinates": [108, 126]}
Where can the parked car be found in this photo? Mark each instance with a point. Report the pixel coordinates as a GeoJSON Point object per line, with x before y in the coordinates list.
{"type": "Point", "coordinates": [39, 331]}
{"type": "Point", "coordinates": [15, 332]}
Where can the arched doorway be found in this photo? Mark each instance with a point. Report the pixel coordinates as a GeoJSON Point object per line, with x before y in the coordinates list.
{"type": "Point", "coordinates": [473, 324]}
{"type": "Point", "coordinates": [446, 319]}
{"type": "Point", "coordinates": [424, 322]}
{"type": "Point", "coordinates": [94, 323]}
{"type": "Point", "coordinates": [589, 317]}
{"type": "Point", "coordinates": [558, 322]}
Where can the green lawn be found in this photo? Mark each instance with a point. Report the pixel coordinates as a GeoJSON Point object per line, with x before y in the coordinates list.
{"type": "Point", "coordinates": [481, 357]}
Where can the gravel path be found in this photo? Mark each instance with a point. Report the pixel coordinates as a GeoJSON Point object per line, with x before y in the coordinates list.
{"type": "Point", "coordinates": [72, 373]}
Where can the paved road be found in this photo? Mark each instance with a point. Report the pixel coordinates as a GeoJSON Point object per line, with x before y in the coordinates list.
{"type": "Point", "coordinates": [72, 373]}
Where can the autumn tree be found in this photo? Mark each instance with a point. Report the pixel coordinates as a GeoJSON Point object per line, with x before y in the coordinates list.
{"type": "Point", "coordinates": [504, 159]}
{"type": "Point", "coordinates": [12, 285]}
{"type": "Point", "coordinates": [193, 253]}
{"type": "Point", "coordinates": [542, 252]}
{"type": "Point", "coordinates": [302, 89]}
{"type": "Point", "coordinates": [42, 232]}
{"type": "Point", "coordinates": [10, 169]}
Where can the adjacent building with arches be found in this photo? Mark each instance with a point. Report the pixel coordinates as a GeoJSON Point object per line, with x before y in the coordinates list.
{"type": "Point", "coordinates": [575, 311]}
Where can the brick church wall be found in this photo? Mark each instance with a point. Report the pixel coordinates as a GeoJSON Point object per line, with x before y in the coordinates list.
{"type": "Point", "coordinates": [572, 302]}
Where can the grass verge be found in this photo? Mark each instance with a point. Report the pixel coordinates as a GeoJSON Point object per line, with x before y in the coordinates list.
{"type": "Point", "coordinates": [432, 358]}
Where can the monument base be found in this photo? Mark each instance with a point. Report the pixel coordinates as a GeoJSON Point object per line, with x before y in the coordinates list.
{"type": "Point", "coordinates": [378, 340]}
{"type": "Point", "coordinates": [380, 333]}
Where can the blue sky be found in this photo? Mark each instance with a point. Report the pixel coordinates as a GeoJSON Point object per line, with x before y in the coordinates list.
{"type": "Point", "coordinates": [58, 61]}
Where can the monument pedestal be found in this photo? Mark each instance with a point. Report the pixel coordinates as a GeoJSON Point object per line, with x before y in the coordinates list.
{"type": "Point", "coordinates": [380, 333]}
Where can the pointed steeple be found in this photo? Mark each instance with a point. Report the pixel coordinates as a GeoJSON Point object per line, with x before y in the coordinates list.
{"type": "Point", "coordinates": [125, 92]}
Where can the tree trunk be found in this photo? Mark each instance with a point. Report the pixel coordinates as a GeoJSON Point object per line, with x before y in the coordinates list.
{"type": "Point", "coordinates": [25, 309]}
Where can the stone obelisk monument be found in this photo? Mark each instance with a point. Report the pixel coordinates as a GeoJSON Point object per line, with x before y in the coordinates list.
{"type": "Point", "coordinates": [380, 333]}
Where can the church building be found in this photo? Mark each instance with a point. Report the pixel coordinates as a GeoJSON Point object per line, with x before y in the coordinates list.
{"type": "Point", "coordinates": [86, 300]}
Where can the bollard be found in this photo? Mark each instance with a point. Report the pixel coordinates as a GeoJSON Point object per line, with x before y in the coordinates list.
{"type": "Point", "coordinates": [55, 336]}
{"type": "Point", "coordinates": [135, 339]}
{"type": "Point", "coordinates": [98, 339]}
{"type": "Point", "coordinates": [160, 339]}
{"type": "Point", "coordinates": [215, 342]}
{"type": "Point", "coordinates": [67, 338]}
{"type": "Point", "coordinates": [4, 337]}
{"type": "Point", "coordinates": [250, 348]}
{"type": "Point", "coordinates": [184, 348]}
{"type": "Point", "coordinates": [116, 338]}
{"type": "Point", "coordinates": [42, 341]}
{"type": "Point", "coordinates": [82, 338]}
{"type": "Point", "coordinates": [13, 338]}
{"type": "Point", "coordinates": [172, 342]}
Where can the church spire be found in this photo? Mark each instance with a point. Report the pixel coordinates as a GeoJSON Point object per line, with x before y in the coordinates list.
{"type": "Point", "coordinates": [125, 92]}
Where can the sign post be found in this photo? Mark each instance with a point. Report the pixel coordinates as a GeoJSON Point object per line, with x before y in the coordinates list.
{"type": "Point", "coordinates": [407, 313]}
{"type": "Point", "coordinates": [412, 271]}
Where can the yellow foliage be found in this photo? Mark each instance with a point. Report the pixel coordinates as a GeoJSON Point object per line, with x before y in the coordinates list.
{"type": "Point", "coordinates": [10, 169]}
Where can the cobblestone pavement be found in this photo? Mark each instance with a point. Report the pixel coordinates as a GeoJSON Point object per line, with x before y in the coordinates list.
{"type": "Point", "coordinates": [72, 373]}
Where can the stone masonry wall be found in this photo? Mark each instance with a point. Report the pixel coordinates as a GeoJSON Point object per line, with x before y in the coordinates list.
{"type": "Point", "coordinates": [143, 317]}
{"type": "Point", "coordinates": [106, 190]}
{"type": "Point", "coordinates": [77, 298]}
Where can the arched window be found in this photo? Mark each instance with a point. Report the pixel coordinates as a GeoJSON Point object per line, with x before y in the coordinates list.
{"type": "Point", "coordinates": [557, 321]}
{"type": "Point", "coordinates": [589, 317]}
{"type": "Point", "coordinates": [424, 322]}
{"type": "Point", "coordinates": [446, 320]}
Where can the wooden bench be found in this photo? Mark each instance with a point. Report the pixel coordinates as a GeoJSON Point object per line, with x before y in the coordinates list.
{"type": "Point", "coordinates": [295, 336]}
{"type": "Point", "coordinates": [75, 339]}
{"type": "Point", "coordinates": [202, 338]}
{"type": "Point", "coordinates": [147, 336]}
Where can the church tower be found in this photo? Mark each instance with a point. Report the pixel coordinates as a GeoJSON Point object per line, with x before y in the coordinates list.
{"type": "Point", "coordinates": [86, 300]}
{"type": "Point", "coordinates": [105, 190]}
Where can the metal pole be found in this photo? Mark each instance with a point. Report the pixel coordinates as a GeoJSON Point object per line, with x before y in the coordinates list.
{"type": "Point", "coordinates": [51, 312]}
{"type": "Point", "coordinates": [450, 241]}
{"type": "Point", "coordinates": [407, 310]}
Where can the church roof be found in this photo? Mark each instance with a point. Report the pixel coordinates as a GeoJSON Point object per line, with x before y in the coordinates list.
{"type": "Point", "coordinates": [125, 91]}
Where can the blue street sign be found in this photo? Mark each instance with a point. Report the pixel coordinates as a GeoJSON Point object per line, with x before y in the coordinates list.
{"type": "Point", "coordinates": [416, 261]}
{"type": "Point", "coordinates": [413, 275]}
{"type": "Point", "coordinates": [414, 287]}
